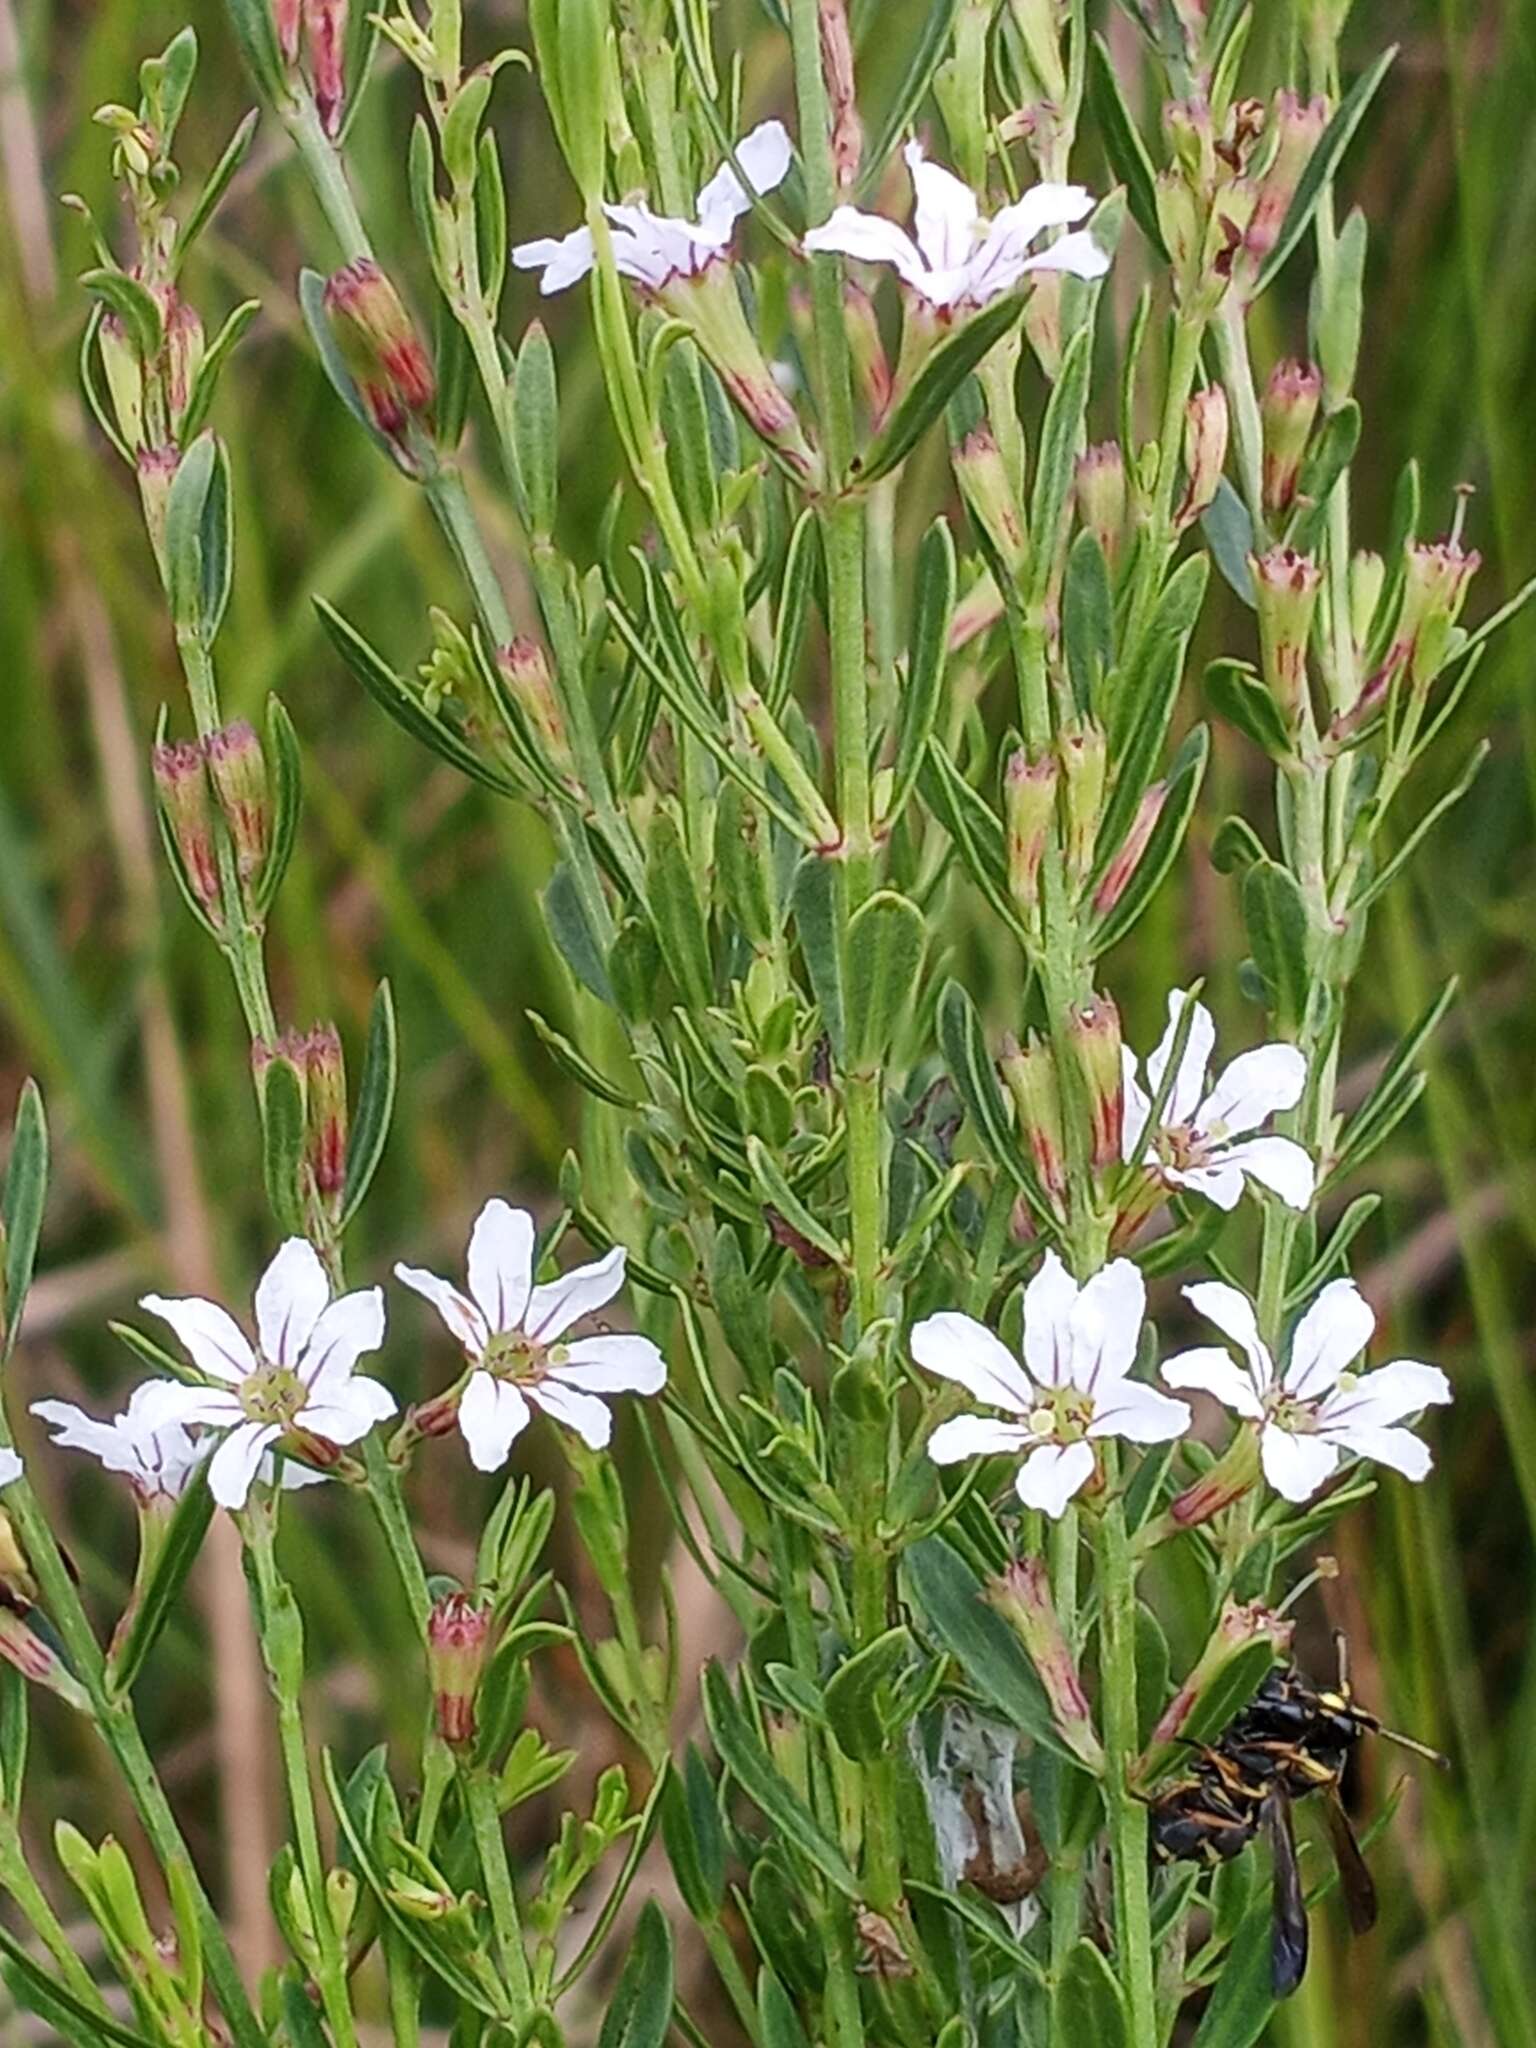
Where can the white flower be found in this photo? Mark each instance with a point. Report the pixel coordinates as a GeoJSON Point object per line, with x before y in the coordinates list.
{"type": "Point", "coordinates": [653, 249]}
{"type": "Point", "coordinates": [1079, 1346]}
{"type": "Point", "coordinates": [1315, 1410]}
{"type": "Point", "coordinates": [303, 1377]}
{"type": "Point", "coordinates": [959, 259]}
{"type": "Point", "coordinates": [1201, 1144]}
{"type": "Point", "coordinates": [155, 1452]}
{"type": "Point", "coordinates": [10, 1466]}
{"type": "Point", "coordinates": [511, 1331]}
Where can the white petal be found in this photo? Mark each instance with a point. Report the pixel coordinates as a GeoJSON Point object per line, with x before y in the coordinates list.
{"type": "Point", "coordinates": [958, 1348]}
{"type": "Point", "coordinates": [1295, 1466]}
{"type": "Point", "coordinates": [1189, 1085]}
{"type": "Point", "coordinates": [562, 261]}
{"type": "Point", "coordinates": [167, 1402]}
{"type": "Point", "coordinates": [1050, 1476]}
{"type": "Point", "coordinates": [74, 1430]}
{"type": "Point", "coordinates": [291, 1294]}
{"type": "Point", "coordinates": [500, 1264]}
{"type": "Point", "coordinates": [1042, 207]}
{"type": "Point", "coordinates": [872, 239]}
{"type": "Point", "coordinates": [1232, 1313]}
{"type": "Point", "coordinates": [945, 213]}
{"type": "Point", "coordinates": [584, 1413]}
{"type": "Point", "coordinates": [553, 1309]}
{"type": "Point", "coordinates": [976, 1436]}
{"type": "Point", "coordinates": [765, 156]}
{"type": "Point", "coordinates": [1106, 1323]}
{"type": "Point", "coordinates": [234, 1463]}
{"type": "Point", "coordinates": [1049, 1300]}
{"type": "Point", "coordinates": [1398, 1448]}
{"type": "Point", "coordinates": [295, 1474]}
{"type": "Point", "coordinates": [1079, 253]}
{"type": "Point", "coordinates": [1333, 1332]}
{"type": "Point", "coordinates": [209, 1335]}
{"type": "Point", "coordinates": [1387, 1395]}
{"type": "Point", "coordinates": [464, 1320]}
{"type": "Point", "coordinates": [350, 1326]}
{"type": "Point", "coordinates": [1279, 1164]}
{"type": "Point", "coordinates": [11, 1467]}
{"type": "Point", "coordinates": [345, 1416]}
{"type": "Point", "coordinates": [613, 1365]}
{"type": "Point", "coordinates": [1256, 1085]}
{"type": "Point", "coordinates": [491, 1413]}
{"type": "Point", "coordinates": [1137, 1412]}
{"type": "Point", "coordinates": [1209, 1370]}
{"type": "Point", "coordinates": [1220, 1182]}
{"type": "Point", "coordinates": [1134, 1134]}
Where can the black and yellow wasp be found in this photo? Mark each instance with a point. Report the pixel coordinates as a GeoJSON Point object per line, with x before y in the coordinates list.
{"type": "Point", "coordinates": [1288, 1741]}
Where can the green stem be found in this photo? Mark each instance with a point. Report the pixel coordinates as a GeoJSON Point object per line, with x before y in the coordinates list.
{"type": "Point", "coordinates": [323, 163]}
{"type": "Point", "coordinates": [1127, 1814]}
{"type": "Point", "coordinates": [33, 1904]}
{"type": "Point", "coordinates": [1159, 536]}
{"type": "Point", "coordinates": [501, 1894]}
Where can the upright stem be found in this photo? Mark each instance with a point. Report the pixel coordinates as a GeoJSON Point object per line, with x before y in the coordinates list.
{"type": "Point", "coordinates": [1127, 1814]}
{"type": "Point", "coordinates": [501, 1894]}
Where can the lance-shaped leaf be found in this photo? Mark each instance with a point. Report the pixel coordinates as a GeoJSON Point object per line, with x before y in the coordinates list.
{"type": "Point", "coordinates": [1055, 466]}
{"type": "Point", "coordinates": [574, 1063]}
{"type": "Point", "coordinates": [1141, 707]}
{"type": "Point", "coordinates": [1322, 164]}
{"type": "Point", "coordinates": [1384, 879]}
{"type": "Point", "coordinates": [1123, 145]}
{"type": "Point", "coordinates": [1275, 914]}
{"type": "Point", "coordinates": [802, 560]}
{"type": "Point", "coordinates": [884, 952]}
{"type": "Point", "coordinates": [218, 182]}
{"type": "Point", "coordinates": [283, 1142]}
{"type": "Point", "coordinates": [133, 303]}
{"type": "Point", "coordinates": [535, 405]}
{"type": "Point", "coordinates": [1327, 459]}
{"type": "Point", "coordinates": [1396, 1091]}
{"type": "Point", "coordinates": [211, 368]}
{"type": "Point", "coordinates": [179, 1552]}
{"type": "Point", "coordinates": [745, 1756]}
{"type": "Point", "coordinates": [856, 1696]}
{"type": "Point", "coordinates": [941, 375]}
{"type": "Point", "coordinates": [1090, 2005]}
{"type": "Point", "coordinates": [570, 39]}
{"type": "Point", "coordinates": [1088, 621]}
{"type": "Point", "coordinates": [1241, 698]}
{"type": "Point", "coordinates": [570, 921]}
{"type": "Point", "coordinates": [779, 1196]}
{"type": "Point", "coordinates": [695, 1837]}
{"type": "Point", "coordinates": [933, 613]}
{"type": "Point", "coordinates": [974, 1073]}
{"type": "Point", "coordinates": [816, 925]}
{"type": "Point", "coordinates": [639, 2013]}
{"type": "Point", "coordinates": [198, 534]}
{"type": "Point", "coordinates": [286, 769]}
{"type": "Point", "coordinates": [1228, 531]}
{"type": "Point", "coordinates": [676, 912]}
{"type": "Point", "coordinates": [928, 53]}
{"type": "Point", "coordinates": [375, 1105]}
{"type": "Point", "coordinates": [21, 1209]}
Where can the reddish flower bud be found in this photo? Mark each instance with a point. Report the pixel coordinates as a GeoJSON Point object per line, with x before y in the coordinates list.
{"type": "Point", "coordinates": [871, 365]}
{"type": "Point", "coordinates": [1085, 765]}
{"type": "Point", "coordinates": [1179, 221]}
{"type": "Point", "coordinates": [532, 689]}
{"type": "Point", "coordinates": [379, 346]}
{"type": "Point", "coordinates": [1117, 876]}
{"type": "Point", "coordinates": [1285, 587]}
{"type": "Point", "coordinates": [325, 1075]}
{"type": "Point", "coordinates": [183, 349]}
{"type": "Point", "coordinates": [156, 468]}
{"type": "Point", "coordinates": [1237, 1627]}
{"type": "Point", "coordinates": [1205, 451]}
{"type": "Point", "coordinates": [842, 99]}
{"type": "Point", "coordinates": [1101, 496]}
{"type": "Point", "coordinates": [458, 1636]}
{"type": "Point", "coordinates": [326, 23]}
{"type": "Point", "coordinates": [1042, 321]}
{"type": "Point", "coordinates": [1192, 139]}
{"type": "Point", "coordinates": [1029, 803]}
{"type": "Point", "coordinates": [1289, 407]}
{"type": "Point", "coordinates": [239, 772]}
{"type": "Point", "coordinates": [1022, 1596]}
{"type": "Point", "coordinates": [1094, 1030]}
{"type": "Point", "coordinates": [1298, 126]}
{"type": "Point", "coordinates": [1436, 577]}
{"type": "Point", "coordinates": [1030, 1072]}
{"type": "Point", "coordinates": [181, 783]}
{"type": "Point", "coordinates": [285, 21]}
{"type": "Point", "coordinates": [983, 479]}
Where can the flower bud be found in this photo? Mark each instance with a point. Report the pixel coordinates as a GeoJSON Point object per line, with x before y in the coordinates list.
{"type": "Point", "coordinates": [1101, 496]}
{"type": "Point", "coordinates": [326, 24]}
{"type": "Point", "coordinates": [1285, 587]}
{"type": "Point", "coordinates": [156, 469]}
{"type": "Point", "coordinates": [125, 378]}
{"type": "Point", "coordinates": [1022, 1596]}
{"type": "Point", "coordinates": [523, 668]}
{"type": "Point", "coordinates": [708, 303]}
{"type": "Point", "coordinates": [1117, 876]}
{"type": "Point", "coordinates": [341, 1900]}
{"type": "Point", "coordinates": [379, 346]}
{"type": "Point", "coordinates": [183, 349]}
{"type": "Point", "coordinates": [1085, 763]}
{"type": "Point", "coordinates": [1030, 1072]}
{"type": "Point", "coordinates": [1367, 577]}
{"type": "Point", "coordinates": [1029, 802]}
{"type": "Point", "coordinates": [181, 783]}
{"type": "Point", "coordinates": [1298, 126]}
{"type": "Point", "coordinates": [1436, 576]}
{"type": "Point", "coordinates": [1289, 407]}
{"type": "Point", "coordinates": [1179, 223]}
{"type": "Point", "coordinates": [1238, 1627]}
{"type": "Point", "coordinates": [37, 1661]}
{"type": "Point", "coordinates": [238, 770]}
{"type": "Point", "coordinates": [842, 99]}
{"type": "Point", "coordinates": [325, 1075]}
{"type": "Point", "coordinates": [871, 365]}
{"type": "Point", "coordinates": [285, 22]}
{"type": "Point", "coordinates": [1192, 139]}
{"type": "Point", "coordinates": [1042, 321]}
{"type": "Point", "coordinates": [1040, 24]}
{"type": "Point", "coordinates": [458, 1636]}
{"type": "Point", "coordinates": [1094, 1030]}
{"type": "Point", "coordinates": [983, 479]}
{"type": "Point", "coordinates": [1205, 451]}
{"type": "Point", "coordinates": [1233, 1474]}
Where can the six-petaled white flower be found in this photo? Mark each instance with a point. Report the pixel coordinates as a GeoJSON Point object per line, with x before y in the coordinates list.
{"type": "Point", "coordinates": [652, 249]}
{"type": "Point", "coordinates": [301, 1377]}
{"type": "Point", "coordinates": [1203, 1142]}
{"type": "Point", "coordinates": [957, 259]}
{"type": "Point", "coordinates": [10, 1466]}
{"type": "Point", "coordinates": [156, 1453]}
{"type": "Point", "coordinates": [1080, 1344]}
{"type": "Point", "coordinates": [513, 1333]}
{"type": "Point", "coordinates": [1312, 1413]}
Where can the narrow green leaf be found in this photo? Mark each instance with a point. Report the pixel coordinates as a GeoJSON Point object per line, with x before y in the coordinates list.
{"type": "Point", "coordinates": [1240, 697]}
{"type": "Point", "coordinates": [816, 925]}
{"type": "Point", "coordinates": [21, 1208]}
{"type": "Point", "coordinates": [1329, 456]}
{"type": "Point", "coordinates": [1141, 706]}
{"type": "Point", "coordinates": [570, 926]}
{"type": "Point", "coordinates": [1088, 620]}
{"type": "Point", "coordinates": [694, 1836]}
{"type": "Point", "coordinates": [1162, 848]}
{"type": "Point", "coordinates": [1228, 531]}
{"type": "Point", "coordinates": [338, 376]}
{"type": "Point", "coordinates": [282, 1133]}
{"type": "Point", "coordinates": [1275, 914]}
{"type": "Point", "coordinates": [134, 305]}
{"type": "Point", "coordinates": [375, 1106]}
{"type": "Point", "coordinates": [884, 953]}
{"type": "Point", "coordinates": [286, 769]}
{"type": "Point", "coordinates": [640, 2008]}
{"type": "Point", "coordinates": [254, 32]}
{"type": "Point", "coordinates": [574, 1063]}
{"type": "Point", "coordinates": [1244, 1996]}
{"type": "Point", "coordinates": [1396, 1090]}
{"type": "Point", "coordinates": [676, 912]}
{"type": "Point", "coordinates": [853, 1695]}
{"type": "Point", "coordinates": [1385, 876]}
{"type": "Point", "coordinates": [971, 1068]}
{"type": "Point", "coordinates": [183, 1541]}
{"type": "Point", "coordinates": [776, 2013]}
{"type": "Point", "coordinates": [1090, 2005]}
{"type": "Point", "coordinates": [211, 368]}
{"type": "Point", "coordinates": [933, 612]}
{"type": "Point", "coordinates": [1322, 164]}
{"type": "Point", "coordinates": [236, 150]}
{"type": "Point", "coordinates": [801, 560]}
{"type": "Point", "coordinates": [1127, 153]}
{"type": "Point", "coordinates": [745, 1757]}
{"type": "Point", "coordinates": [935, 384]}
{"type": "Point", "coordinates": [491, 238]}
{"type": "Point", "coordinates": [535, 402]}
{"type": "Point", "coordinates": [1061, 437]}
{"type": "Point", "coordinates": [780, 1196]}
{"type": "Point", "coordinates": [927, 54]}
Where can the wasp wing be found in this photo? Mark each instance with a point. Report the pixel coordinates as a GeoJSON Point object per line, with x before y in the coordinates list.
{"type": "Point", "coordinates": [1288, 1939]}
{"type": "Point", "coordinates": [1354, 1879]}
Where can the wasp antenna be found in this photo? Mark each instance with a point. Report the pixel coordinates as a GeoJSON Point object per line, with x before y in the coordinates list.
{"type": "Point", "coordinates": [1341, 1644]}
{"type": "Point", "coordinates": [1440, 1762]}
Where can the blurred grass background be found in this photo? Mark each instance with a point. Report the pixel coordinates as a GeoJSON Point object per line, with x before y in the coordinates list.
{"type": "Point", "coordinates": [111, 997]}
